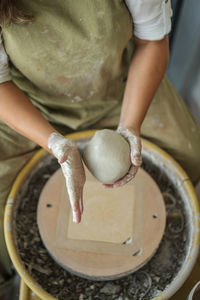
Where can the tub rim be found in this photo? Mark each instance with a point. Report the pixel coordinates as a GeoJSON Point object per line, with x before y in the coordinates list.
{"type": "Point", "coordinates": [180, 277]}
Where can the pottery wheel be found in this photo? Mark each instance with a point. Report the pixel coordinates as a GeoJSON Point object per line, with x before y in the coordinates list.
{"type": "Point", "coordinates": [120, 230]}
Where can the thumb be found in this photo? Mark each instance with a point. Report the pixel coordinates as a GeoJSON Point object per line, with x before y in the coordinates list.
{"type": "Point", "coordinates": [135, 144]}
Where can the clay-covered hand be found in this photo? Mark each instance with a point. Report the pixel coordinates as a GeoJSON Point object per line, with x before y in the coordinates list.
{"type": "Point", "coordinates": [65, 150]}
{"type": "Point", "coordinates": [136, 157]}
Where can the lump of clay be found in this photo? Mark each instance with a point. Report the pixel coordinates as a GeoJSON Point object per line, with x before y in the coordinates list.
{"type": "Point", "coordinates": [107, 156]}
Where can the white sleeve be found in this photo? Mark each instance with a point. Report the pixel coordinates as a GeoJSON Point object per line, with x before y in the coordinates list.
{"type": "Point", "coordinates": [151, 18]}
{"type": "Point", "coordinates": [4, 68]}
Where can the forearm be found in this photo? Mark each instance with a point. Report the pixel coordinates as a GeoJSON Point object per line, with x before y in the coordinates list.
{"type": "Point", "coordinates": [146, 71]}
{"type": "Point", "coordinates": [17, 111]}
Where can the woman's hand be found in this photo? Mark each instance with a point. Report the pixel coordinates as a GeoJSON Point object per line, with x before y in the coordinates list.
{"type": "Point", "coordinates": [136, 157]}
{"type": "Point", "coordinates": [69, 158]}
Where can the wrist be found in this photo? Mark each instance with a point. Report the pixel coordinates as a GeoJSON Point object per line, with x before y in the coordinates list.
{"type": "Point", "coordinates": [135, 129]}
{"type": "Point", "coordinates": [60, 146]}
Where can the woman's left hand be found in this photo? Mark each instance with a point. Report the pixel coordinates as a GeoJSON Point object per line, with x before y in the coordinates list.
{"type": "Point", "coordinates": [136, 157]}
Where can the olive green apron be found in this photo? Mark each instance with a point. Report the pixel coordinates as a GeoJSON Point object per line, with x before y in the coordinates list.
{"type": "Point", "coordinates": [72, 62]}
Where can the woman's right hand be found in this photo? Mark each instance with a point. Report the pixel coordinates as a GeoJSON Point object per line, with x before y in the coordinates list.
{"type": "Point", "coordinates": [65, 150]}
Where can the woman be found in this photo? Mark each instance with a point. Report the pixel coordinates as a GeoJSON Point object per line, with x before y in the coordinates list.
{"type": "Point", "coordinates": [77, 65]}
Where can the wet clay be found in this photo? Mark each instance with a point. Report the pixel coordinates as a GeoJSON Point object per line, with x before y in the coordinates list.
{"type": "Point", "coordinates": [107, 156]}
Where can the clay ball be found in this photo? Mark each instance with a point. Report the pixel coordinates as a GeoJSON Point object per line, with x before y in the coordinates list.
{"type": "Point", "coordinates": [107, 156]}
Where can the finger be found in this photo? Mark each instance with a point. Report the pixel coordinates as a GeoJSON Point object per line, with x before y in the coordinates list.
{"type": "Point", "coordinates": [136, 159]}
{"type": "Point", "coordinates": [135, 144]}
{"type": "Point", "coordinates": [123, 181]}
{"type": "Point", "coordinates": [107, 186]}
{"type": "Point", "coordinates": [133, 170]}
{"type": "Point", "coordinates": [128, 177]}
{"type": "Point", "coordinates": [131, 174]}
{"type": "Point", "coordinates": [62, 159]}
{"type": "Point", "coordinates": [81, 202]}
{"type": "Point", "coordinates": [76, 212]}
